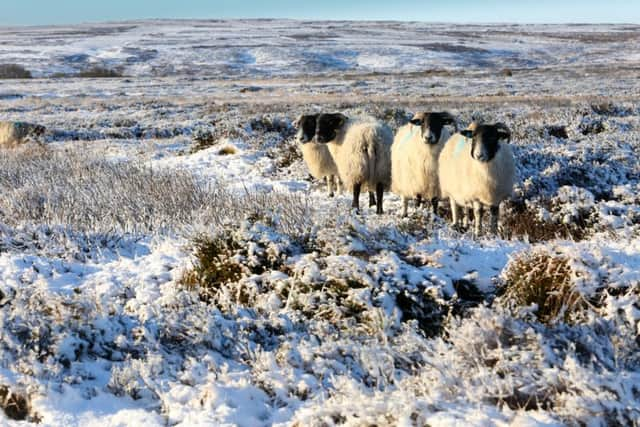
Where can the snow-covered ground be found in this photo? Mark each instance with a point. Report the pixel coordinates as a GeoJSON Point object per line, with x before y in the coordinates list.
{"type": "Point", "coordinates": [284, 47]}
{"type": "Point", "coordinates": [313, 315]}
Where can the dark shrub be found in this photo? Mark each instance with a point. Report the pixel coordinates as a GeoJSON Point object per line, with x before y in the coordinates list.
{"type": "Point", "coordinates": [14, 71]}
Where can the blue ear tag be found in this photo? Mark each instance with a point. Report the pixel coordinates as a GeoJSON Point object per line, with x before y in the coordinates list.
{"type": "Point", "coordinates": [462, 142]}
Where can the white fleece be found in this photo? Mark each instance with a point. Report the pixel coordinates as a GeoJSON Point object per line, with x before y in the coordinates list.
{"type": "Point", "coordinates": [466, 180]}
{"type": "Point", "coordinates": [414, 164]}
{"type": "Point", "coordinates": [362, 153]}
{"type": "Point", "coordinates": [318, 160]}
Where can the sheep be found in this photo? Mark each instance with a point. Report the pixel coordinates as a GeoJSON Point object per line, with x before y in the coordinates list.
{"type": "Point", "coordinates": [477, 173]}
{"type": "Point", "coordinates": [414, 158]}
{"type": "Point", "coordinates": [361, 149]}
{"type": "Point", "coordinates": [16, 133]}
{"type": "Point", "coordinates": [316, 156]}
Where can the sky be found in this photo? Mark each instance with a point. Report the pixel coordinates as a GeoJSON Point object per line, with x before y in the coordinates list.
{"type": "Point", "coordinates": [42, 12]}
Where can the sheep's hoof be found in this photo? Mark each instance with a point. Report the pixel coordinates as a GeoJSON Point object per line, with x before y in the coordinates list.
{"type": "Point", "coordinates": [331, 194]}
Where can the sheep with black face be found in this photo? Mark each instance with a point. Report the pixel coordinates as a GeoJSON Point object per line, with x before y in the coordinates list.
{"type": "Point", "coordinates": [477, 169]}
{"type": "Point", "coordinates": [414, 157]}
{"type": "Point", "coordinates": [361, 149]}
{"type": "Point", "coordinates": [316, 156]}
{"type": "Point", "coordinates": [16, 133]}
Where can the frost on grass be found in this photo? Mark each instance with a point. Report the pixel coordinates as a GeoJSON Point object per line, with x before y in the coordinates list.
{"type": "Point", "coordinates": [507, 364]}
{"type": "Point", "coordinates": [256, 308]}
{"type": "Point", "coordinates": [150, 275]}
{"type": "Point", "coordinates": [543, 282]}
{"type": "Point", "coordinates": [87, 193]}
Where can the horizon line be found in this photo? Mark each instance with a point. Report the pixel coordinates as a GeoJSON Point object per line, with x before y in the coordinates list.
{"type": "Point", "coordinates": [487, 23]}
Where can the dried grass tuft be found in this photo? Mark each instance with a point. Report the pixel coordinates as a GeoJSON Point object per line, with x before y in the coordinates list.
{"type": "Point", "coordinates": [545, 280]}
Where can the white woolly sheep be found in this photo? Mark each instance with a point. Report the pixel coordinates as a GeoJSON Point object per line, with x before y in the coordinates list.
{"type": "Point", "coordinates": [361, 149]}
{"type": "Point", "coordinates": [477, 169]}
{"type": "Point", "coordinates": [414, 158]}
{"type": "Point", "coordinates": [316, 156]}
{"type": "Point", "coordinates": [16, 133]}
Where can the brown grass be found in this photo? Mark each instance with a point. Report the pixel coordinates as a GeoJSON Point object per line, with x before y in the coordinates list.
{"type": "Point", "coordinates": [287, 156]}
{"type": "Point", "coordinates": [418, 223]}
{"type": "Point", "coordinates": [214, 267]}
{"type": "Point", "coordinates": [14, 71]}
{"type": "Point", "coordinates": [543, 279]}
{"type": "Point", "coordinates": [520, 221]}
{"type": "Point", "coordinates": [93, 73]}
{"type": "Point", "coordinates": [228, 150]}
{"type": "Point", "coordinates": [558, 131]}
{"type": "Point", "coordinates": [205, 138]}
{"type": "Point", "coordinates": [16, 406]}
{"type": "Point", "coordinates": [100, 72]}
{"type": "Point", "coordinates": [507, 72]}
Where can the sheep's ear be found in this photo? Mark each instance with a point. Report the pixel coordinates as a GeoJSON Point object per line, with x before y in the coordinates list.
{"type": "Point", "coordinates": [416, 122]}
{"type": "Point", "coordinates": [466, 133]}
{"type": "Point", "coordinates": [296, 122]}
{"type": "Point", "coordinates": [340, 119]}
{"type": "Point", "coordinates": [504, 134]}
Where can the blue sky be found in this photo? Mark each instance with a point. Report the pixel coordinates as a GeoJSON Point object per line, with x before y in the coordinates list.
{"type": "Point", "coordinates": [36, 12]}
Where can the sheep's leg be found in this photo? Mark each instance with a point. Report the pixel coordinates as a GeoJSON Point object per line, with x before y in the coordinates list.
{"type": "Point", "coordinates": [466, 211]}
{"type": "Point", "coordinates": [356, 197]}
{"type": "Point", "coordinates": [434, 205]}
{"type": "Point", "coordinates": [454, 212]}
{"type": "Point", "coordinates": [477, 217]}
{"type": "Point", "coordinates": [372, 199]}
{"type": "Point", "coordinates": [329, 179]}
{"type": "Point", "coordinates": [495, 212]}
{"type": "Point", "coordinates": [338, 184]}
{"type": "Point", "coordinates": [379, 193]}
{"type": "Point", "coordinates": [405, 205]}
{"type": "Point", "coordinates": [418, 201]}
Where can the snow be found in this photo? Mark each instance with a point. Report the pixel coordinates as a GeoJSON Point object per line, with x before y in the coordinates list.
{"type": "Point", "coordinates": [336, 318]}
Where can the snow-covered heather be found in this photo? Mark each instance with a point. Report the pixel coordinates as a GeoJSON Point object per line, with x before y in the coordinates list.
{"type": "Point", "coordinates": [324, 317]}
{"type": "Point", "coordinates": [286, 47]}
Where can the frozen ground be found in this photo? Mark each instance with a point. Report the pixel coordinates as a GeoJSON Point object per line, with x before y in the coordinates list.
{"type": "Point", "coordinates": [310, 314]}
{"type": "Point", "coordinates": [231, 49]}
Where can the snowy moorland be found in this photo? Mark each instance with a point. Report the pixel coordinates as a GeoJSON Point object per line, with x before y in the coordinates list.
{"type": "Point", "coordinates": [166, 259]}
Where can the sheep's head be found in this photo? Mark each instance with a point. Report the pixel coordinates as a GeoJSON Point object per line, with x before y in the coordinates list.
{"type": "Point", "coordinates": [328, 126]}
{"type": "Point", "coordinates": [431, 125]}
{"type": "Point", "coordinates": [30, 131]}
{"type": "Point", "coordinates": [37, 131]}
{"type": "Point", "coordinates": [306, 126]}
{"type": "Point", "coordinates": [40, 130]}
{"type": "Point", "coordinates": [486, 139]}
